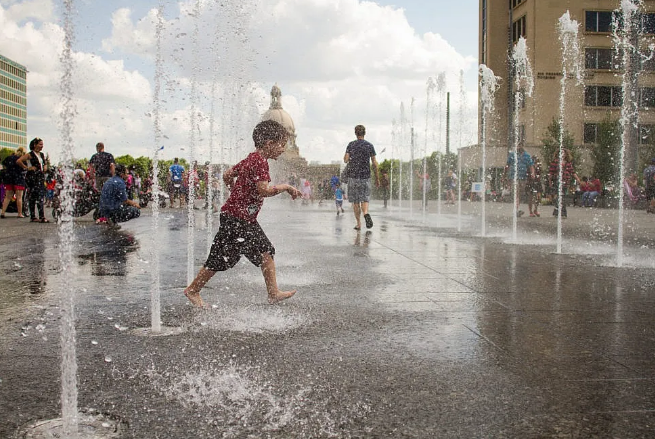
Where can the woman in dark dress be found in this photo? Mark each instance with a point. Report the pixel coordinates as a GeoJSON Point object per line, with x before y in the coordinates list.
{"type": "Point", "coordinates": [14, 182]}
{"type": "Point", "coordinates": [35, 164]}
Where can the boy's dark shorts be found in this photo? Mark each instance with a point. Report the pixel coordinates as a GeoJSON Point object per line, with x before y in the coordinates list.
{"type": "Point", "coordinates": [235, 238]}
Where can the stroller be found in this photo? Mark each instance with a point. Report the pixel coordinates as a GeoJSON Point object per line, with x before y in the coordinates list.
{"type": "Point", "coordinates": [85, 199]}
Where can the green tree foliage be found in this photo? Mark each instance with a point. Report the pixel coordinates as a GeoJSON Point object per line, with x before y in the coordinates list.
{"type": "Point", "coordinates": [606, 151]}
{"type": "Point", "coordinates": [551, 141]}
{"type": "Point", "coordinates": [4, 153]}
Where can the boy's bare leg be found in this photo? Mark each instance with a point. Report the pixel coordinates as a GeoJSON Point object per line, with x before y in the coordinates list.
{"type": "Point", "coordinates": [358, 211]}
{"type": "Point", "coordinates": [268, 270]}
{"type": "Point", "coordinates": [193, 290]}
{"type": "Point", "coordinates": [364, 207]}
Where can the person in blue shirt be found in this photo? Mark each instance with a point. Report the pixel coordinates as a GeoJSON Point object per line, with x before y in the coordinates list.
{"type": "Point", "coordinates": [114, 204]}
{"type": "Point", "coordinates": [525, 168]}
{"type": "Point", "coordinates": [176, 172]}
{"type": "Point", "coordinates": [338, 198]}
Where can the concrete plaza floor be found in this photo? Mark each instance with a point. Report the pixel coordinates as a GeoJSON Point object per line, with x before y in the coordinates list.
{"type": "Point", "coordinates": [419, 327]}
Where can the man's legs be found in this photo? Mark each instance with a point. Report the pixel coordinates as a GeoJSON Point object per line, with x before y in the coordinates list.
{"type": "Point", "coordinates": [124, 213]}
{"type": "Point", "coordinates": [358, 211]}
{"type": "Point", "coordinates": [268, 271]}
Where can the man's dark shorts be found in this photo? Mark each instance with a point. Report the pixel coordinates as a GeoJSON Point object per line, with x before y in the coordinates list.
{"type": "Point", "coordinates": [650, 192]}
{"type": "Point", "coordinates": [235, 238]}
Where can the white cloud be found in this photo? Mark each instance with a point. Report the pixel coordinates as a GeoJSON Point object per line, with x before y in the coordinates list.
{"type": "Point", "coordinates": [338, 62]}
{"type": "Point", "coordinates": [41, 10]}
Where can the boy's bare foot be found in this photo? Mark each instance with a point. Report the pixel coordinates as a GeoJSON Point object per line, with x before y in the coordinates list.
{"type": "Point", "coordinates": [194, 298]}
{"type": "Point", "coordinates": [280, 296]}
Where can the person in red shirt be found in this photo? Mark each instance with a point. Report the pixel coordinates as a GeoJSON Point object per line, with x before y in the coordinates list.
{"type": "Point", "coordinates": [239, 232]}
{"type": "Point", "coordinates": [592, 192]}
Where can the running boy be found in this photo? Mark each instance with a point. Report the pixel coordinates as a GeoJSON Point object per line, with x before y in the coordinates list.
{"type": "Point", "coordinates": [239, 232]}
{"type": "Point", "coordinates": [338, 198]}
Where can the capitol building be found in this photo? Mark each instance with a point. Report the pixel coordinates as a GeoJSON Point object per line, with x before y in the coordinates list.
{"type": "Point", "coordinates": [291, 166]}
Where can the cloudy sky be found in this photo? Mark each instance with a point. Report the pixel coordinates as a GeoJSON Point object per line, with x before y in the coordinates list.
{"type": "Point", "coordinates": [338, 62]}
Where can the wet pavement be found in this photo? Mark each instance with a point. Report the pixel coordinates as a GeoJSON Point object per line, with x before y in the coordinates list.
{"type": "Point", "coordinates": [410, 329]}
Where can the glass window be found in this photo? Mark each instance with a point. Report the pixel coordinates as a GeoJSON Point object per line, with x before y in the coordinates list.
{"type": "Point", "coordinates": [590, 132]}
{"type": "Point", "coordinates": [647, 97]}
{"type": "Point", "coordinates": [648, 23]}
{"type": "Point", "coordinates": [599, 58]}
{"type": "Point", "coordinates": [598, 21]}
{"type": "Point", "coordinates": [590, 96]}
{"type": "Point", "coordinates": [617, 96]}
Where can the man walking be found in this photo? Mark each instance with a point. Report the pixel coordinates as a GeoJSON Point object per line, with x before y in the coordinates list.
{"type": "Point", "coordinates": [100, 163]}
{"type": "Point", "coordinates": [360, 154]}
{"type": "Point", "coordinates": [525, 167]}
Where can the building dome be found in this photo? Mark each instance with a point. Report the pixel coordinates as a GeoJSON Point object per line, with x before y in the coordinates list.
{"type": "Point", "coordinates": [276, 112]}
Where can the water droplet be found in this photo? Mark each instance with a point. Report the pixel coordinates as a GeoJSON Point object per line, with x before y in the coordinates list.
{"type": "Point", "coordinates": [94, 342]}
{"type": "Point", "coordinates": [108, 359]}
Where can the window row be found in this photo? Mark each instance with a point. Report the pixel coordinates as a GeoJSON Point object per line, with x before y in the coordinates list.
{"type": "Point", "coordinates": [515, 3]}
{"type": "Point", "coordinates": [13, 138]}
{"type": "Point", "coordinates": [12, 111]}
{"type": "Point", "coordinates": [609, 59]}
{"type": "Point", "coordinates": [519, 29]}
{"type": "Point", "coordinates": [11, 69]}
{"type": "Point", "coordinates": [13, 84]}
{"type": "Point", "coordinates": [645, 131]}
{"type": "Point", "coordinates": [612, 96]}
{"type": "Point", "coordinates": [602, 21]}
{"type": "Point", "coordinates": [12, 124]}
{"type": "Point", "coordinates": [13, 97]}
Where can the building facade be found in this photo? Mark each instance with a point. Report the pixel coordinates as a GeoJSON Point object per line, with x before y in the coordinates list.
{"type": "Point", "coordinates": [13, 104]}
{"type": "Point", "coordinates": [291, 166]}
{"type": "Point", "coordinates": [599, 97]}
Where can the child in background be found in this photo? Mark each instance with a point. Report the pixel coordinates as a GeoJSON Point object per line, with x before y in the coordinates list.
{"type": "Point", "coordinates": [239, 232]}
{"type": "Point", "coordinates": [338, 198]}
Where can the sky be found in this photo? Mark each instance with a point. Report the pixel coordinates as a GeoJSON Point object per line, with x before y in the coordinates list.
{"type": "Point", "coordinates": [339, 63]}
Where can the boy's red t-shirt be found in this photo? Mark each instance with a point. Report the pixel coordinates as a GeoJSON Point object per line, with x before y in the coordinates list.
{"type": "Point", "coordinates": [244, 202]}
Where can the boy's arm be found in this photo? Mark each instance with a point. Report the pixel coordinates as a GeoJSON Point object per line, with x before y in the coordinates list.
{"type": "Point", "coordinates": [266, 190]}
{"type": "Point", "coordinates": [229, 176]}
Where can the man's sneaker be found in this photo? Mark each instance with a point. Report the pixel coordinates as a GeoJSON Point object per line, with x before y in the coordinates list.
{"type": "Point", "coordinates": [101, 220]}
{"type": "Point", "coordinates": [369, 221]}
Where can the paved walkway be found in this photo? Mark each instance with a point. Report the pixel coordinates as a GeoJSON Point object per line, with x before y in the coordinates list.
{"type": "Point", "coordinates": [410, 329]}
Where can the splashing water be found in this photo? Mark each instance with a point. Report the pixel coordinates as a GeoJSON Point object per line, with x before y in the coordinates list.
{"type": "Point", "coordinates": [430, 86]}
{"type": "Point", "coordinates": [192, 171]}
{"type": "Point", "coordinates": [524, 84]}
{"type": "Point", "coordinates": [462, 112]}
{"type": "Point", "coordinates": [571, 65]}
{"type": "Point", "coordinates": [626, 43]}
{"type": "Point", "coordinates": [69, 410]}
{"type": "Point", "coordinates": [243, 404]}
{"type": "Point", "coordinates": [488, 87]}
{"type": "Point", "coordinates": [155, 297]}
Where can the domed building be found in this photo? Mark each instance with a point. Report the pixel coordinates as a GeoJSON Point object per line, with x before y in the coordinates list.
{"type": "Point", "coordinates": [291, 166]}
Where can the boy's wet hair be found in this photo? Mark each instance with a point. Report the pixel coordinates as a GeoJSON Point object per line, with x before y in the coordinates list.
{"type": "Point", "coordinates": [268, 130]}
{"type": "Point", "coordinates": [120, 169]}
{"type": "Point", "coordinates": [360, 130]}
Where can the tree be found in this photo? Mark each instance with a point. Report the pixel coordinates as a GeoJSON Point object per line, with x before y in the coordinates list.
{"type": "Point", "coordinates": [606, 151]}
{"type": "Point", "coordinates": [4, 153]}
{"type": "Point", "coordinates": [551, 141]}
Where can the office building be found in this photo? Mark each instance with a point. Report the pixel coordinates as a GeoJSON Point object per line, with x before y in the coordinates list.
{"type": "Point", "coordinates": [503, 22]}
{"type": "Point", "coordinates": [13, 104]}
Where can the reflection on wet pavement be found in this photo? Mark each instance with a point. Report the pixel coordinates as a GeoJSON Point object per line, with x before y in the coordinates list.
{"type": "Point", "coordinates": [396, 331]}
